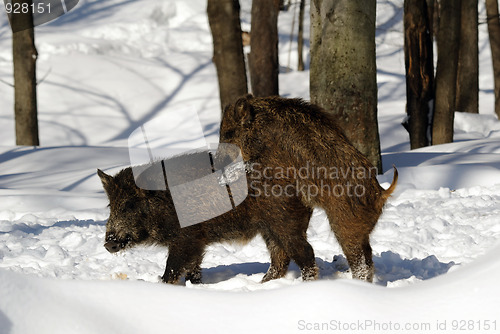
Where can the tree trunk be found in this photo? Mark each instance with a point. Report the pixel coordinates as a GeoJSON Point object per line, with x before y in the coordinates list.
{"type": "Point", "coordinates": [433, 9]}
{"type": "Point", "coordinates": [224, 20]}
{"type": "Point", "coordinates": [24, 58]}
{"type": "Point", "coordinates": [300, 37]}
{"type": "Point", "coordinates": [343, 69]}
{"type": "Point", "coordinates": [430, 15]}
{"type": "Point", "coordinates": [468, 60]}
{"type": "Point", "coordinates": [263, 57]}
{"type": "Point", "coordinates": [446, 72]}
{"type": "Point", "coordinates": [419, 71]}
{"type": "Point", "coordinates": [494, 32]}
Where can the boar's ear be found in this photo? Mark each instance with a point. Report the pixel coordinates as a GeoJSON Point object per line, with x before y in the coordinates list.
{"type": "Point", "coordinates": [244, 110]}
{"type": "Point", "coordinates": [106, 179]}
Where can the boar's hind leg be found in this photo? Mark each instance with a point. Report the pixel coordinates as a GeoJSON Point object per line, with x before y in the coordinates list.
{"type": "Point", "coordinates": [303, 254]}
{"type": "Point", "coordinates": [183, 259]}
{"type": "Point", "coordinates": [359, 257]}
{"type": "Point", "coordinates": [279, 259]}
{"type": "Point", "coordinates": [354, 238]}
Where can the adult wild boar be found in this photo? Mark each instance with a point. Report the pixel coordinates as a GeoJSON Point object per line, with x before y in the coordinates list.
{"type": "Point", "coordinates": [299, 145]}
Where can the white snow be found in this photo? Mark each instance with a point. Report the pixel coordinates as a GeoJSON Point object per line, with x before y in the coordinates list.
{"type": "Point", "coordinates": [110, 66]}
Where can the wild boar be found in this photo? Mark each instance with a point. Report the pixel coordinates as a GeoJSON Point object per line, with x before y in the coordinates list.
{"type": "Point", "coordinates": [299, 145]}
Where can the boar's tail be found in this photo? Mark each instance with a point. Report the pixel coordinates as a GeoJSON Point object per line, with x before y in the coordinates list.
{"type": "Point", "coordinates": [387, 192]}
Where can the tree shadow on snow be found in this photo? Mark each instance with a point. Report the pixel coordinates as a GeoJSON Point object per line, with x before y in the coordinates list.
{"type": "Point", "coordinates": [5, 323]}
{"type": "Point", "coordinates": [389, 267]}
{"type": "Point", "coordinates": [37, 229]}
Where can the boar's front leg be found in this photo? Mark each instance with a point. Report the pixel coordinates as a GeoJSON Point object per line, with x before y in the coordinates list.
{"type": "Point", "coordinates": [183, 259]}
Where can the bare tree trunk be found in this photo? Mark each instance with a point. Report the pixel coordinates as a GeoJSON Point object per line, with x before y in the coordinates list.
{"type": "Point", "coordinates": [343, 69]}
{"type": "Point", "coordinates": [431, 10]}
{"type": "Point", "coordinates": [419, 71]}
{"type": "Point", "coordinates": [24, 57]}
{"type": "Point", "coordinates": [224, 20]}
{"type": "Point", "coordinates": [263, 57]}
{"type": "Point", "coordinates": [300, 37]}
{"type": "Point", "coordinates": [446, 72]}
{"type": "Point", "coordinates": [468, 60]}
{"type": "Point", "coordinates": [494, 32]}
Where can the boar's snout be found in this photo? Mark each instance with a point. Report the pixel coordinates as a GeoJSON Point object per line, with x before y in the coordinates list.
{"type": "Point", "coordinates": [112, 246]}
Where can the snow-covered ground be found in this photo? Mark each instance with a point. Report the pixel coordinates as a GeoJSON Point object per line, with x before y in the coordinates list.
{"type": "Point", "coordinates": [107, 67]}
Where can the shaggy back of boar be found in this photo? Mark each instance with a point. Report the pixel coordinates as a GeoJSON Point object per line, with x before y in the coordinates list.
{"type": "Point", "coordinates": [299, 144]}
{"type": "Point", "coordinates": [148, 217]}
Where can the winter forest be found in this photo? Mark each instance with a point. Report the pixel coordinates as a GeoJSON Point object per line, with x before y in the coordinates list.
{"type": "Point", "coordinates": [413, 84]}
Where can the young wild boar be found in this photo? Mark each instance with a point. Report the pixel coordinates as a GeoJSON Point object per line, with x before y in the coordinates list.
{"type": "Point", "coordinates": [148, 217]}
{"type": "Point", "coordinates": [300, 146]}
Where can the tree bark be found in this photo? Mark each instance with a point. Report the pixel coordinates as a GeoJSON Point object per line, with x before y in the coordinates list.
{"type": "Point", "coordinates": [300, 37]}
{"type": "Point", "coordinates": [24, 58]}
{"type": "Point", "coordinates": [430, 15]}
{"type": "Point", "coordinates": [263, 58]}
{"type": "Point", "coordinates": [343, 69]}
{"type": "Point", "coordinates": [446, 72]}
{"type": "Point", "coordinates": [468, 59]}
{"type": "Point", "coordinates": [224, 20]}
{"type": "Point", "coordinates": [419, 71]}
{"type": "Point", "coordinates": [494, 32]}
{"type": "Point", "coordinates": [433, 9]}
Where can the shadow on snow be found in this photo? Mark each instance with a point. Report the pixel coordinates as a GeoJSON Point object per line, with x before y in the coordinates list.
{"type": "Point", "coordinates": [389, 267]}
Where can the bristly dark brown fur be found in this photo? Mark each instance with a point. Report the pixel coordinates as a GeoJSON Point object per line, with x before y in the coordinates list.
{"type": "Point", "coordinates": [139, 216]}
{"type": "Point", "coordinates": [278, 133]}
